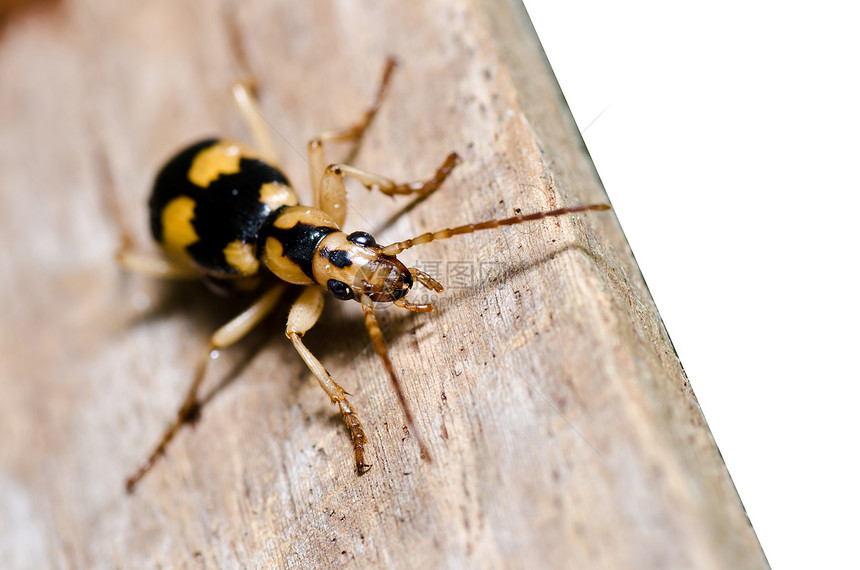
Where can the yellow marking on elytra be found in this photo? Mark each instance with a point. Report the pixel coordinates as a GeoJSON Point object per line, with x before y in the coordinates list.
{"type": "Point", "coordinates": [275, 195]}
{"type": "Point", "coordinates": [241, 256]}
{"type": "Point", "coordinates": [176, 220]}
{"type": "Point", "coordinates": [221, 158]}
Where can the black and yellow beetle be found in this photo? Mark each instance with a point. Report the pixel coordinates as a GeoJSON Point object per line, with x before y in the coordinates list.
{"type": "Point", "coordinates": [221, 210]}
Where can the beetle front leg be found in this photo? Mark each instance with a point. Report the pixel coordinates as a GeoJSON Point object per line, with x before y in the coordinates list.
{"type": "Point", "coordinates": [332, 193]}
{"type": "Point", "coordinates": [303, 315]}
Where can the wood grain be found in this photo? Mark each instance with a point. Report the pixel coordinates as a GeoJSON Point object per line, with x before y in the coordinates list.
{"type": "Point", "coordinates": [564, 432]}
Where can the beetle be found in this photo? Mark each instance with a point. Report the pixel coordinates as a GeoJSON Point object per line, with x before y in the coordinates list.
{"type": "Point", "coordinates": [222, 211]}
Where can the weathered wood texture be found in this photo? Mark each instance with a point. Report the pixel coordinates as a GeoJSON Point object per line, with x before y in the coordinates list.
{"type": "Point", "coordinates": [563, 430]}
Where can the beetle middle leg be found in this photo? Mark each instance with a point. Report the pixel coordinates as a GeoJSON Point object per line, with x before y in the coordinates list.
{"type": "Point", "coordinates": [327, 179]}
{"type": "Point", "coordinates": [353, 133]}
{"type": "Point", "coordinates": [249, 109]}
{"type": "Point", "coordinates": [227, 335]}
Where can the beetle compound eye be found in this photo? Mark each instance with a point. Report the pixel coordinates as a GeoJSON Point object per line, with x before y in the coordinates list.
{"type": "Point", "coordinates": [340, 290]}
{"type": "Point", "coordinates": [361, 238]}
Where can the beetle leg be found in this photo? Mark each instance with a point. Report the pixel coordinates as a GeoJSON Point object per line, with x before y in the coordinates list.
{"type": "Point", "coordinates": [229, 334]}
{"type": "Point", "coordinates": [303, 315]}
{"type": "Point", "coordinates": [390, 187]}
{"type": "Point", "coordinates": [154, 265]}
{"type": "Point", "coordinates": [249, 108]}
{"type": "Point", "coordinates": [327, 179]}
{"type": "Point", "coordinates": [354, 133]}
{"type": "Point", "coordinates": [332, 192]}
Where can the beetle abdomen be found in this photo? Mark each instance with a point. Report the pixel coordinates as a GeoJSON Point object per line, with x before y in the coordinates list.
{"type": "Point", "coordinates": [209, 202]}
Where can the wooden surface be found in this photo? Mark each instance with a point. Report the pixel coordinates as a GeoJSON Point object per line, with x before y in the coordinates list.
{"type": "Point", "coordinates": [563, 429]}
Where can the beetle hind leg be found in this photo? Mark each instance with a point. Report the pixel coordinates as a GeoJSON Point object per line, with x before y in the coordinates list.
{"type": "Point", "coordinates": [154, 265]}
{"type": "Point", "coordinates": [229, 334]}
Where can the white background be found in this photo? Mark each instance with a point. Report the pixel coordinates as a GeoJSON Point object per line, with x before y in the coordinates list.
{"type": "Point", "coordinates": [728, 138]}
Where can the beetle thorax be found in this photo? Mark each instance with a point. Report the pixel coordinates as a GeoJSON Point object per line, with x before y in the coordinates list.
{"type": "Point", "coordinates": [304, 246]}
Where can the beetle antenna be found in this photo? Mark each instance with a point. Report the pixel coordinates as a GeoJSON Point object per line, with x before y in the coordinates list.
{"type": "Point", "coordinates": [399, 246]}
{"type": "Point", "coordinates": [379, 343]}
